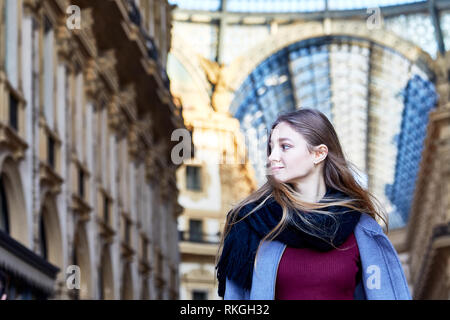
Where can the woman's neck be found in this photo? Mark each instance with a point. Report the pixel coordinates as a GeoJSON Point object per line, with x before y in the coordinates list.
{"type": "Point", "coordinates": [311, 191]}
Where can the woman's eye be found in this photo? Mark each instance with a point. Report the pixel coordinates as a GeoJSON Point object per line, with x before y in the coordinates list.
{"type": "Point", "coordinates": [285, 145]}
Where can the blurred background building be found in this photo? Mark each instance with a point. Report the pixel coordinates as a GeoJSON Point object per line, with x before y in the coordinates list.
{"type": "Point", "coordinates": [378, 69]}
{"type": "Point", "coordinates": [86, 118]}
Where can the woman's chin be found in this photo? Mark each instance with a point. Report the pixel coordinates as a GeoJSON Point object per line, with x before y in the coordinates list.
{"type": "Point", "coordinates": [279, 178]}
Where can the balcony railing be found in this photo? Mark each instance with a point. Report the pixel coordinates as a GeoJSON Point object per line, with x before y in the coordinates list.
{"type": "Point", "coordinates": [152, 51]}
{"type": "Point", "coordinates": [134, 13]}
{"type": "Point", "coordinates": [198, 237]}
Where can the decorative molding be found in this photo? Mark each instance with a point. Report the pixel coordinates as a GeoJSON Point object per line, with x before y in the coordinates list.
{"type": "Point", "coordinates": [92, 84]}
{"type": "Point", "coordinates": [86, 35]}
{"type": "Point", "coordinates": [145, 126]}
{"type": "Point", "coordinates": [168, 186]}
{"type": "Point", "coordinates": [50, 182]}
{"type": "Point", "coordinates": [81, 207]}
{"type": "Point", "coordinates": [127, 101]}
{"type": "Point", "coordinates": [63, 4]}
{"type": "Point", "coordinates": [151, 168]}
{"type": "Point", "coordinates": [106, 232]}
{"type": "Point", "coordinates": [9, 137]}
{"type": "Point", "coordinates": [134, 144]}
{"type": "Point", "coordinates": [31, 5]}
{"type": "Point", "coordinates": [63, 41]}
{"type": "Point", "coordinates": [107, 64]}
{"type": "Point", "coordinates": [13, 142]}
{"type": "Point", "coordinates": [441, 68]}
{"type": "Point", "coordinates": [48, 10]}
{"type": "Point", "coordinates": [116, 119]}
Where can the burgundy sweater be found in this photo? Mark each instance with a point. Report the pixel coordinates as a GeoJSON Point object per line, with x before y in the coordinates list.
{"type": "Point", "coordinates": [306, 274]}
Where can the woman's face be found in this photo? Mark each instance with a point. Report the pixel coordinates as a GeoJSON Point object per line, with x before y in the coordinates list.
{"type": "Point", "coordinates": [290, 159]}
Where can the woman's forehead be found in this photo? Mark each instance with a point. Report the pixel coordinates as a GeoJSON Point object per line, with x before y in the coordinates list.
{"type": "Point", "coordinates": [284, 131]}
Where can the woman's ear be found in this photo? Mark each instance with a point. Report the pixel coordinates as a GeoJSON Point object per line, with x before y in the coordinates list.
{"type": "Point", "coordinates": [320, 153]}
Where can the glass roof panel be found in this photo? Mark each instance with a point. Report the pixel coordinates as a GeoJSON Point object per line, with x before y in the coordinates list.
{"type": "Point", "coordinates": [206, 5]}
{"type": "Point", "coordinates": [285, 5]}
{"type": "Point", "coordinates": [352, 4]}
{"type": "Point", "coordinates": [275, 6]}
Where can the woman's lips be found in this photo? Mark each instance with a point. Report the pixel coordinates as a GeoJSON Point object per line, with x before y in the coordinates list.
{"type": "Point", "coordinates": [275, 169]}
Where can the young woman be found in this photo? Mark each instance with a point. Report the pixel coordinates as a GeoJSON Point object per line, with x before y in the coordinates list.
{"type": "Point", "coordinates": [310, 231]}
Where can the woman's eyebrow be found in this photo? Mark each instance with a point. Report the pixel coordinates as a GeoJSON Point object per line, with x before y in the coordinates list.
{"type": "Point", "coordinates": [282, 139]}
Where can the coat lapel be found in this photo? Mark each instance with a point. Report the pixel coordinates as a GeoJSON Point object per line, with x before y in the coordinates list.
{"type": "Point", "coordinates": [265, 272]}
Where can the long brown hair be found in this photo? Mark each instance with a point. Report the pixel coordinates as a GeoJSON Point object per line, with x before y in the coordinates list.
{"type": "Point", "coordinates": [316, 129]}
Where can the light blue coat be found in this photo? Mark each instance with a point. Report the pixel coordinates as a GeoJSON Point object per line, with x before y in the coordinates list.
{"type": "Point", "coordinates": [382, 273]}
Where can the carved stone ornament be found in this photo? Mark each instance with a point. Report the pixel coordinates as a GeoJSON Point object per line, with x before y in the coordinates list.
{"type": "Point", "coordinates": [107, 64]}
{"type": "Point", "coordinates": [442, 70]}
{"type": "Point", "coordinates": [133, 140]}
{"type": "Point", "coordinates": [86, 34]}
{"type": "Point", "coordinates": [127, 100]}
{"type": "Point", "coordinates": [115, 116]}
{"type": "Point", "coordinates": [151, 167]}
{"type": "Point", "coordinates": [92, 85]}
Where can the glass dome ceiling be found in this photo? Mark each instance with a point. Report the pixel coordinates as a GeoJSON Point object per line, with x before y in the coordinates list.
{"type": "Point", "coordinates": [377, 100]}
{"type": "Point", "coordinates": [285, 5]}
{"type": "Point", "coordinates": [375, 97]}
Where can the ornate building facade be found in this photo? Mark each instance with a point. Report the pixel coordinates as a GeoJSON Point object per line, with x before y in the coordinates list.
{"type": "Point", "coordinates": [87, 184]}
{"type": "Point", "coordinates": [428, 235]}
{"type": "Point", "coordinates": [377, 69]}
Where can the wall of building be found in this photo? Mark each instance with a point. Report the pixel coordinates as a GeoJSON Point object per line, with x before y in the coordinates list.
{"type": "Point", "coordinates": [84, 151]}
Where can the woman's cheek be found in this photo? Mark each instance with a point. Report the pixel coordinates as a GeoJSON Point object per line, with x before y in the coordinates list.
{"type": "Point", "coordinates": [300, 169]}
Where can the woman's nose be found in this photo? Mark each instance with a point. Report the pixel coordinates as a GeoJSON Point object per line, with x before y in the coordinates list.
{"type": "Point", "coordinates": [274, 156]}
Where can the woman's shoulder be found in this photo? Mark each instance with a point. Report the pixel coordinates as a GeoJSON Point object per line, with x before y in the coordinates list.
{"type": "Point", "coordinates": [367, 222]}
{"type": "Point", "coordinates": [244, 209]}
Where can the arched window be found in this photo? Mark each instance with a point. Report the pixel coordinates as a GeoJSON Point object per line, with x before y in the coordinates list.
{"type": "Point", "coordinates": [144, 292]}
{"type": "Point", "coordinates": [105, 281]}
{"type": "Point", "coordinates": [4, 213]}
{"type": "Point", "coordinates": [101, 293]}
{"type": "Point", "coordinates": [75, 293]}
{"type": "Point", "coordinates": [43, 237]}
{"type": "Point", "coordinates": [100, 277]}
{"type": "Point", "coordinates": [81, 259]}
{"type": "Point", "coordinates": [127, 290]}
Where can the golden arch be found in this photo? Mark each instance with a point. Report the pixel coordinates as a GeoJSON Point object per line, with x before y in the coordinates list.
{"type": "Point", "coordinates": [241, 68]}
{"type": "Point", "coordinates": [190, 60]}
{"type": "Point", "coordinates": [16, 201]}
